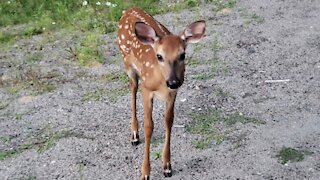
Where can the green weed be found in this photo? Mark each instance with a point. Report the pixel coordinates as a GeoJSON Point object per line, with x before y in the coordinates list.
{"type": "Point", "coordinates": [4, 105]}
{"type": "Point", "coordinates": [32, 178]}
{"type": "Point", "coordinates": [88, 51]}
{"type": "Point", "coordinates": [194, 62]}
{"type": "Point", "coordinates": [20, 115]}
{"type": "Point", "coordinates": [30, 79]}
{"type": "Point", "coordinates": [192, 3]}
{"type": "Point", "coordinates": [201, 144]}
{"type": "Point", "coordinates": [205, 125]}
{"type": "Point", "coordinates": [250, 18]}
{"type": "Point", "coordinates": [43, 141]}
{"type": "Point", "coordinates": [256, 18]}
{"type": "Point", "coordinates": [5, 139]}
{"type": "Point", "coordinates": [96, 95]}
{"type": "Point", "coordinates": [34, 58]}
{"type": "Point", "coordinates": [115, 59]}
{"type": "Point", "coordinates": [237, 117]}
{"type": "Point", "coordinates": [218, 5]}
{"type": "Point", "coordinates": [112, 94]}
{"type": "Point", "coordinates": [49, 138]}
{"type": "Point", "coordinates": [156, 155]}
{"type": "Point", "coordinates": [7, 154]}
{"type": "Point", "coordinates": [7, 38]}
{"type": "Point", "coordinates": [157, 141]}
{"type": "Point", "coordinates": [287, 154]}
{"type": "Point", "coordinates": [80, 170]}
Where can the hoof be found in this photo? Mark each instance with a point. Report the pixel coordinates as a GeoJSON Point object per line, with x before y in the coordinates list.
{"type": "Point", "coordinates": [134, 138]}
{"type": "Point", "coordinates": [145, 177]}
{"type": "Point", "coordinates": [167, 170]}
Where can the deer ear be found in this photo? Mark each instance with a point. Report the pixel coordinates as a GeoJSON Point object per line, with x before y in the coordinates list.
{"type": "Point", "coordinates": [194, 32]}
{"type": "Point", "coordinates": [145, 33]}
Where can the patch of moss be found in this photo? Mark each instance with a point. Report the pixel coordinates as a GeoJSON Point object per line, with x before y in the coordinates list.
{"type": "Point", "coordinates": [287, 154]}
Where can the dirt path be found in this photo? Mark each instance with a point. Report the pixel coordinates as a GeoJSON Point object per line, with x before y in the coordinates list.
{"type": "Point", "coordinates": [257, 72]}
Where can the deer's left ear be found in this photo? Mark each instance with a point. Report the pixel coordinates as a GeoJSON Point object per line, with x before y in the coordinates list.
{"type": "Point", "coordinates": [194, 32]}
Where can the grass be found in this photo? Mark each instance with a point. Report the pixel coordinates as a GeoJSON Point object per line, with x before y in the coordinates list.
{"type": "Point", "coordinates": [204, 124]}
{"type": "Point", "coordinates": [34, 58]}
{"type": "Point", "coordinates": [4, 105]}
{"type": "Point", "coordinates": [112, 94]}
{"type": "Point", "coordinates": [46, 139]}
{"type": "Point", "coordinates": [19, 116]}
{"type": "Point", "coordinates": [156, 155]}
{"type": "Point", "coordinates": [7, 154]}
{"type": "Point", "coordinates": [250, 18]}
{"type": "Point", "coordinates": [80, 170]}
{"type": "Point", "coordinates": [5, 139]}
{"type": "Point", "coordinates": [212, 63]}
{"type": "Point", "coordinates": [29, 79]}
{"type": "Point", "coordinates": [96, 95]}
{"type": "Point", "coordinates": [117, 76]}
{"type": "Point", "coordinates": [237, 117]}
{"type": "Point", "coordinates": [88, 52]}
{"type": "Point", "coordinates": [218, 5]}
{"type": "Point", "coordinates": [37, 16]}
{"type": "Point", "coordinates": [287, 154]}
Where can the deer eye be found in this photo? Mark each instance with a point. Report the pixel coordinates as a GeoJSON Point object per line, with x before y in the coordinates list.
{"type": "Point", "coordinates": [160, 58]}
{"type": "Point", "coordinates": [182, 56]}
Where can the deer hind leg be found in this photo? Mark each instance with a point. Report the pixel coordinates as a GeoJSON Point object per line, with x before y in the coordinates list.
{"type": "Point", "coordinates": [169, 115]}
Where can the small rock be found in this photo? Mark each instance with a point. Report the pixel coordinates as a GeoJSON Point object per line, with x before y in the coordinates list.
{"type": "Point", "coordinates": [183, 100]}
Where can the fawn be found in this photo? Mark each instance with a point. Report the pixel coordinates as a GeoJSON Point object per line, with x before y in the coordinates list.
{"type": "Point", "coordinates": [154, 55]}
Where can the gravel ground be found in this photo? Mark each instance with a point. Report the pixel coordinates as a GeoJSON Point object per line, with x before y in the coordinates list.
{"type": "Point", "coordinates": [59, 135]}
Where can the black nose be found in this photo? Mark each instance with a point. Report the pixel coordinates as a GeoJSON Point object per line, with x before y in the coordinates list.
{"type": "Point", "coordinates": [173, 83]}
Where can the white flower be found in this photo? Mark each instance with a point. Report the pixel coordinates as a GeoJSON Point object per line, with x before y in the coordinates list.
{"type": "Point", "coordinates": [108, 3]}
{"type": "Point", "coordinates": [84, 3]}
{"type": "Point", "coordinates": [114, 5]}
{"type": "Point", "coordinates": [53, 23]}
{"type": "Point", "coordinates": [9, 2]}
{"type": "Point", "coordinates": [98, 3]}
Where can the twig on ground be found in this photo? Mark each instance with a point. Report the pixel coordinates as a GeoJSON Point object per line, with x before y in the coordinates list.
{"type": "Point", "coordinates": [277, 80]}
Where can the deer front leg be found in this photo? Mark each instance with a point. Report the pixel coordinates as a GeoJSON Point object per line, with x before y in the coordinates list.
{"type": "Point", "coordinates": [134, 121]}
{"type": "Point", "coordinates": [148, 129]}
{"type": "Point", "coordinates": [169, 115]}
